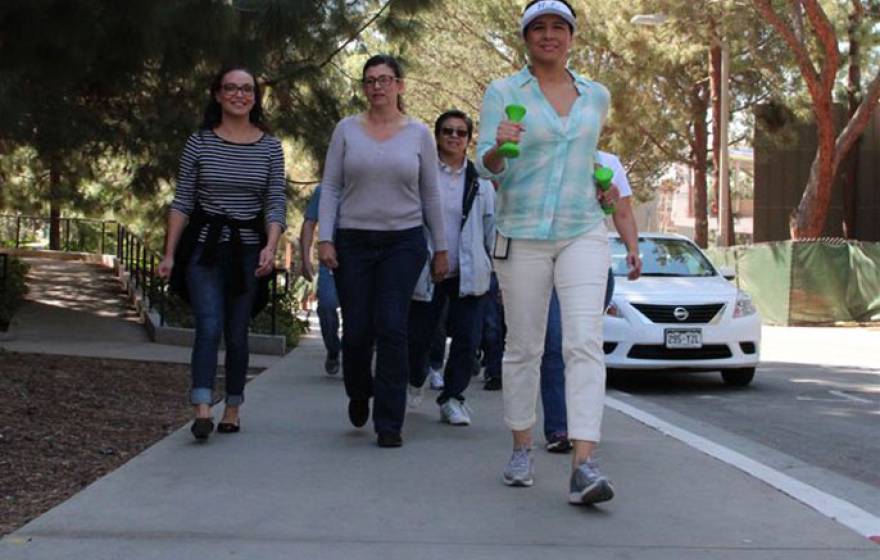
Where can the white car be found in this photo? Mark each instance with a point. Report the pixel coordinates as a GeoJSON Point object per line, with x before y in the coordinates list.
{"type": "Point", "coordinates": [681, 314]}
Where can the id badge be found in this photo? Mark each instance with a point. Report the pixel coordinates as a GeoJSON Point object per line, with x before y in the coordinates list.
{"type": "Point", "coordinates": [502, 247]}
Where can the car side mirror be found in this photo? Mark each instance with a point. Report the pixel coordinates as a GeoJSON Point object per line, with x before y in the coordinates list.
{"type": "Point", "coordinates": [728, 272]}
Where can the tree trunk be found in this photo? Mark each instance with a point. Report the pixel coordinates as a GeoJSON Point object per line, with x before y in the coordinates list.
{"type": "Point", "coordinates": [700, 147]}
{"type": "Point", "coordinates": [715, 84]}
{"type": "Point", "coordinates": [808, 219]}
{"type": "Point", "coordinates": [54, 205]}
{"type": "Point", "coordinates": [853, 93]}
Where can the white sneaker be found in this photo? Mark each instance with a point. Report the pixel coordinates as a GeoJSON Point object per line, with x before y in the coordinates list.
{"type": "Point", "coordinates": [414, 396]}
{"type": "Point", "coordinates": [454, 412]}
{"type": "Point", "coordinates": [435, 377]}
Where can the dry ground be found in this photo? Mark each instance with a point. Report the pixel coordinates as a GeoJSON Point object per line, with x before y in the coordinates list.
{"type": "Point", "coordinates": [67, 421]}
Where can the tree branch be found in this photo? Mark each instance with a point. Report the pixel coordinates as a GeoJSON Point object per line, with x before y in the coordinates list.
{"type": "Point", "coordinates": [808, 71]}
{"type": "Point", "coordinates": [332, 55]}
{"type": "Point", "coordinates": [858, 122]}
{"type": "Point", "coordinates": [660, 146]}
{"type": "Point", "coordinates": [824, 31]}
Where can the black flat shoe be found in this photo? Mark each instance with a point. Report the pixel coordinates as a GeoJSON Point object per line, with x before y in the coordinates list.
{"type": "Point", "coordinates": [389, 439]}
{"type": "Point", "coordinates": [229, 427]}
{"type": "Point", "coordinates": [201, 428]}
{"type": "Point", "coordinates": [358, 412]}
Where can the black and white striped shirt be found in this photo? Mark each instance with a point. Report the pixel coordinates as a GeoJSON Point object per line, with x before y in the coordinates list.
{"type": "Point", "coordinates": [234, 180]}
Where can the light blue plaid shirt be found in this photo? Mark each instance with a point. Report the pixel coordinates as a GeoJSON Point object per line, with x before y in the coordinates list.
{"type": "Point", "coordinates": [548, 191]}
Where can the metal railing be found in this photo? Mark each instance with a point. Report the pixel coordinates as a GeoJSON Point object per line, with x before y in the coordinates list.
{"type": "Point", "coordinates": [4, 271]}
{"type": "Point", "coordinates": [134, 256]}
{"type": "Point", "coordinates": [83, 235]}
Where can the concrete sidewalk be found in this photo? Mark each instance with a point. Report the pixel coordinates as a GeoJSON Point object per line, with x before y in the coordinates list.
{"type": "Point", "coordinates": [300, 482]}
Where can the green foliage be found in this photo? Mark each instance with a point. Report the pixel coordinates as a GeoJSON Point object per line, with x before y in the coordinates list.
{"type": "Point", "coordinates": [98, 96]}
{"type": "Point", "coordinates": [287, 320]}
{"type": "Point", "coordinates": [12, 288]}
{"type": "Point", "coordinates": [177, 312]}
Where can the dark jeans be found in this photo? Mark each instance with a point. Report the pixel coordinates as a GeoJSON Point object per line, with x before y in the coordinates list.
{"type": "Point", "coordinates": [437, 355]}
{"type": "Point", "coordinates": [493, 331]}
{"type": "Point", "coordinates": [464, 321]}
{"type": "Point", "coordinates": [553, 367]}
{"type": "Point", "coordinates": [217, 311]}
{"type": "Point", "coordinates": [375, 280]}
{"type": "Point", "coordinates": [328, 315]}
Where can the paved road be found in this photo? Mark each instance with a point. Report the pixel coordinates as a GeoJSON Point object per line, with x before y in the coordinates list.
{"type": "Point", "coordinates": [827, 416]}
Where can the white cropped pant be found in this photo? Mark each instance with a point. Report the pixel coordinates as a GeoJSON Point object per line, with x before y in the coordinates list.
{"type": "Point", "coordinates": [578, 268]}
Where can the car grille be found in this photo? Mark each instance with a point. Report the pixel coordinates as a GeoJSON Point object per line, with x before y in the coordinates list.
{"type": "Point", "coordinates": [748, 347]}
{"type": "Point", "coordinates": [660, 352]}
{"type": "Point", "coordinates": [666, 313]}
{"type": "Point", "coordinates": [609, 347]}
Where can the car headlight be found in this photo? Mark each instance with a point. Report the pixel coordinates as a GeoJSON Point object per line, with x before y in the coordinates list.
{"type": "Point", "coordinates": [744, 306]}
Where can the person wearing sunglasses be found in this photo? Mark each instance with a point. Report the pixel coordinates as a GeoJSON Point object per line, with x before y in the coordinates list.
{"type": "Point", "coordinates": [228, 213]}
{"type": "Point", "coordinates": [551, 235]}
{"type": "Point", "coordinates": [378, 190]}
{"type": "Point", "coordinates": [469, 215]}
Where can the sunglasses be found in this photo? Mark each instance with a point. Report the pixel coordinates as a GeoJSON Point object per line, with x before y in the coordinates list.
{"type": "Point", "coordinates": [449, 131]}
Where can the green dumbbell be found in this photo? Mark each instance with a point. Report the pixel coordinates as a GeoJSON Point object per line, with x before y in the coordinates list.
{"type": "Point", "coordinates": [603, 177]}
{"type": "Point", "coordinates": [515, 113]}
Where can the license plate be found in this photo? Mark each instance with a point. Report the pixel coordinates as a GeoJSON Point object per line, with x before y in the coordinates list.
{"type": "Point", "coordinates": [684, 338]}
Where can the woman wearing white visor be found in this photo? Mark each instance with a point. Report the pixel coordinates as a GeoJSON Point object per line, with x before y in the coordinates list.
{"type": "Point", "coordinates": [552, 235]}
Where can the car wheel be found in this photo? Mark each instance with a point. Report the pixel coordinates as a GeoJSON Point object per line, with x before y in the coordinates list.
{"type": "Point", "coordinates": [739, 377]}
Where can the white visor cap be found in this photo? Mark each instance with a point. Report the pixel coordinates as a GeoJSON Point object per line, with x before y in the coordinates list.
{"type": "Point", "coordinates": [554, 7]}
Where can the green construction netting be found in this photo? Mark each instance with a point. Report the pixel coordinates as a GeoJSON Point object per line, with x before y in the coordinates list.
{"type": "Point", "coordinates": [808, 282]}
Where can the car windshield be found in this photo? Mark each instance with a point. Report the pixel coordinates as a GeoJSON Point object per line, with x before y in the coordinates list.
{"type": "Point", "coordinates": [662, 257]}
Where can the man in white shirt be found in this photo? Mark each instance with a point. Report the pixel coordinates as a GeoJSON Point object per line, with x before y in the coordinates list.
{"type": "Point", "coordinates": [469, 212]}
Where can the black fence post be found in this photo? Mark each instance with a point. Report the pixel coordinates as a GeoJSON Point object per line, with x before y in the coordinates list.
{"type": "Point", "coordinates": [103, 233]}
{"type": "Point", "coordinates": [152, 290]}
{"type": "Point", "coordinates": [17, 231]}
{"type": "Point", "coordinates": [4, 271]}
{"type": "Point", "coordinates": [118, 243]}
{"type": "Point", "coordinates": [274, 299]}
{"type": "Point", "coordinates": [67, 234]}
{"type": "Point", "coordinates": [162, 303]}
{"type": "Point", "coordinates": [144, 269]}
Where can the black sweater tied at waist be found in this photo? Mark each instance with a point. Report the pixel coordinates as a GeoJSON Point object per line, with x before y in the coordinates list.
{"type": "Point", "coordinates": [215, 224]}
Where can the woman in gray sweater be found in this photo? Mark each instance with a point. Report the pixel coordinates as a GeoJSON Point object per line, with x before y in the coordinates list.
{"type": "Point", "coordinates": [379, 188]}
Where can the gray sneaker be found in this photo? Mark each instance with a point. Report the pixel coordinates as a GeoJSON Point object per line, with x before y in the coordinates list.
{"type": "Point", "coordinates": [588, 485]}
{"type": "Point", "coordinates": [520, 471]}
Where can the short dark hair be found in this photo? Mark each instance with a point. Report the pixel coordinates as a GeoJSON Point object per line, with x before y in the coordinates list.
{"type": "Point", "coordinates": [567, 5]}
{"type": "Point", "coordinates": [454, 114]}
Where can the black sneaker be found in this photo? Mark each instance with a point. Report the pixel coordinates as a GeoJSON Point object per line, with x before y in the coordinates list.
{"type": "Point", "coordinates": [389, 439]}
{"type": "Point", "coordinates": [558, 443]}
{"type": "Point", "coordinates": [358, 412]}
{"type": "Point", "coordinates": [492, 384]}
{"type": "Point", "coordinates": [331, 365]}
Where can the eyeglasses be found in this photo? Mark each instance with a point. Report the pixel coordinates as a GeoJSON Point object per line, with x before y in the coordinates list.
{"type": "Point", "coordinates": [231, 89]}
{"type": "Point", "coordinates": [449, 131]}
{"type": "Point", "coordinates": [382, 81]}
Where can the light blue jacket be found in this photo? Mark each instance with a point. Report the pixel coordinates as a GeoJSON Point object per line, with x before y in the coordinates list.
{"type": "Point", "coordinates": [476, 242]}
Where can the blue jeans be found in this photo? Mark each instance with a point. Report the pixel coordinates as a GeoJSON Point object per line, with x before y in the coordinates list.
{"type": "Point", "coordinates": [553, 367]}
{"type": "Point", "coordinates": [437, 355]}
{"type": "Point", "coordinates": [328, 305]}
{"type": "Point", "coordinates": [465, 322]}
{"type": "Point", "coordinates": [493, 331]}
{"type": "Point", "coordinates": [217, 311]}
{"type": "Point", "coordinates": [377, 274]}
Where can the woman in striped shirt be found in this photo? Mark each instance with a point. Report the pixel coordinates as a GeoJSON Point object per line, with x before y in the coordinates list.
{"type": "Point", "coordinates": [228, 213]}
